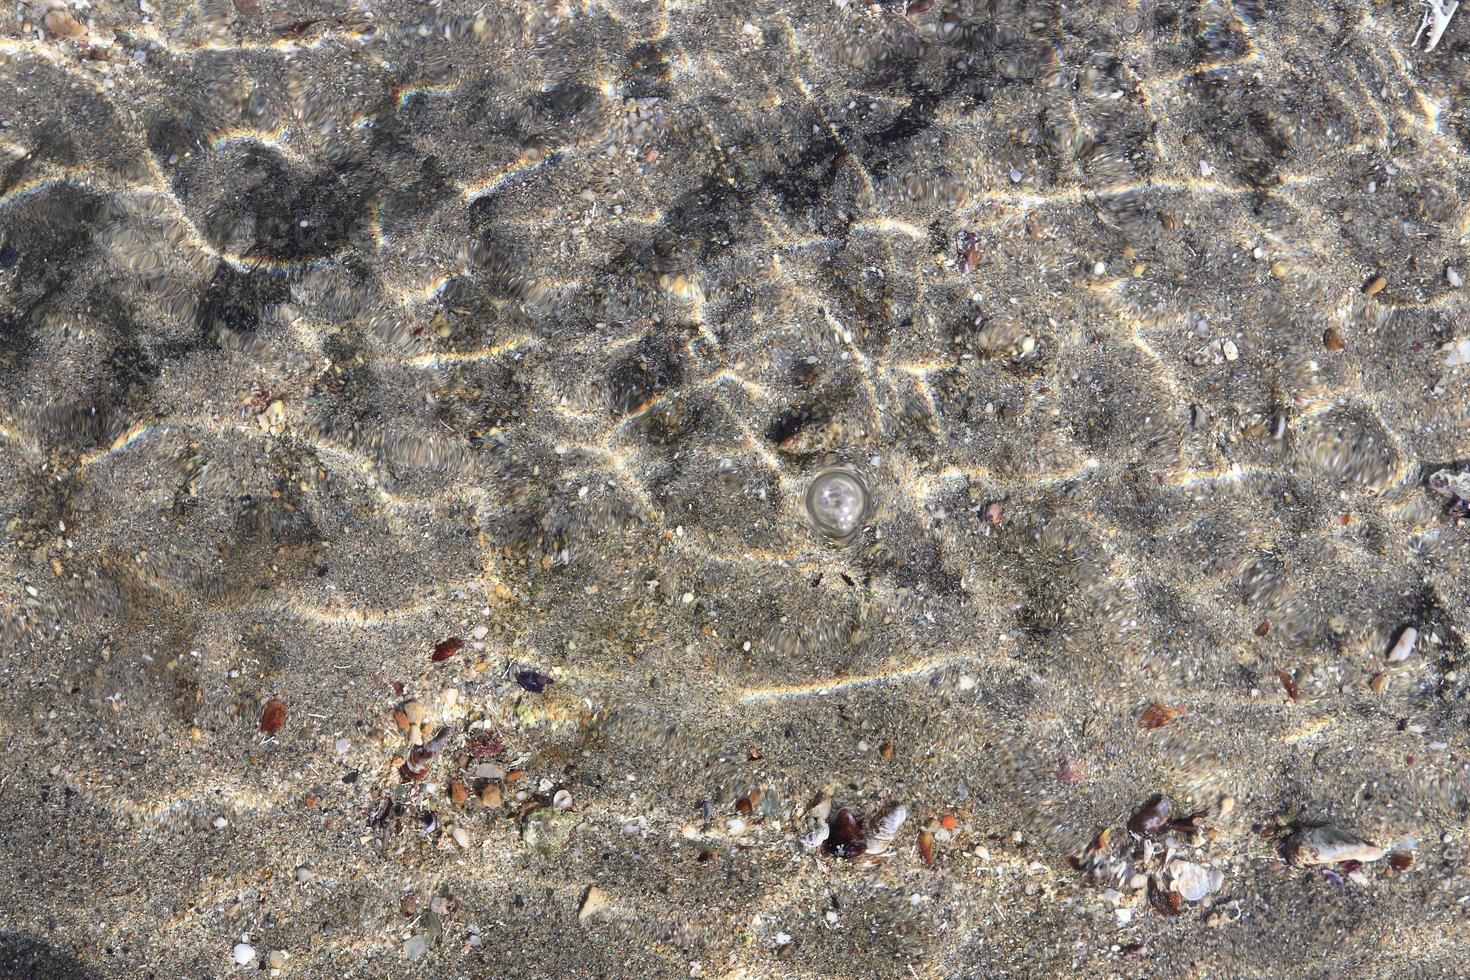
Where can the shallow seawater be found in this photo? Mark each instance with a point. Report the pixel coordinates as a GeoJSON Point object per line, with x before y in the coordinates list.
{"type": "Point", "coordinates": [936, 489]}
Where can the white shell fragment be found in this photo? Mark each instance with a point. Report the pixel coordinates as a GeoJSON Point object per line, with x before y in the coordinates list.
{"type": "Point", "coordinates": [1437, 15]}
{"type": "Point", "coordinates": [1193, 881]}
{"type": "Point", "coordinates": [816, 837]}
{"type": "Point", "coordinates": [891, 823]}
{"type": "Point", "coordinates": [1329, 845]}
{"type": "Point", "coordinates": [1403, 649]}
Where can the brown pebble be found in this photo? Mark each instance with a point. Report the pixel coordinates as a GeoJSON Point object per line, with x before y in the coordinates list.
{"type": "Point", "coordinates": [1332, 340]}
{"type": "Point", "coordinates": [926, 848]}
{"type": "Point", "coordinates": [61, 23]}
{"type": "Point", "coordinates": [1375, 286]}
{"type": "Point", "coordinates": [273, 718]}
{"type": "Point", "coordinates": [886, 750]}
{"type": "Point", "coordinates": [1289, 683]}
{"type": "Point", "coordinates": [447, 648]}
{"type": "Point", "coordinates": [490, 796]}
{"type": "Point", "coordinates": [994, 511]}
{"type": "Point", "coordinates": [1378, 683]}
{"type": "Point", "coordinates": [1400, 860]}
{"type": "Point", "coordinates": [755, 755]}
{"type": "Point", "coordinates": [458, 795]}
{"type": "Point", "coordinates": [1263, 628]}
{"type": "Point", "coordinates": [1157, 715]}
{"type": "Point", "coordinates": [401, 719]}
{"type": "Point", "coordinates": [949, 821]}
{"type": "Point", "coordinates": [514, 776]}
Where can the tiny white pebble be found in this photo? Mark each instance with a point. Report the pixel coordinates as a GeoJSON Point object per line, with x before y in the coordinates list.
{"type": "Point", "coordinates": [220, 823]}
{"type": "Point", "coordinates": [244, 953]}
{"type": "Point", "coordinates": [1099, 268]}
{"type": "Point", "coordinates": [480, 632]}
{"type": "Point", "coordinates": [688, 597]}
{"type": "Point", "coordinates": [342, 745]}
{"type": "Point", "coordinates": [460, 837]}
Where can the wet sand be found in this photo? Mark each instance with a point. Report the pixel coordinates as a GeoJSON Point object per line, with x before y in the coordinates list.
{"type": "Point", "coordinates": [407, 417]}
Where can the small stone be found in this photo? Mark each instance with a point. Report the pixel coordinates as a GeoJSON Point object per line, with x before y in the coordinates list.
{"type": "Point", "coordinates": [63, 24]}
{"type": "Point", "coordinates": [342, 745]}
{"type": "Point", "coordinates": [480, 632]}
{"type": "Point", "coordinates": [490, 796]}
{"type": "Point", "coordinates": [276, 959]}
{"type": "Point", "coordinates": [244, 953]}
{"type": "Point", "coordinates": [416, 948]}
{"type": "Point", "coordinates": [414, 711]}
{"type": "Point", "coordinates": [461, 837]}
{"type": "Point", "coordinates": [1452, 277]}
{"type": "Point", "coordinates": [1332, 340]}
{"type": "Point", "coordinates": [273, 718]}
{"type": "Point", "coordinates": [1374, 286]}
{"type": "Point", "coordinates": [594, 901]}
{"type": "Point", "coordinates": [304, 875]}
{"type": "Point", "coordinates": [458, 794]}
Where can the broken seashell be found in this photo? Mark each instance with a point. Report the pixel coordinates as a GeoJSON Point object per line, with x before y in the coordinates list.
{"type": "Point", "coordinates": [1329, 845]}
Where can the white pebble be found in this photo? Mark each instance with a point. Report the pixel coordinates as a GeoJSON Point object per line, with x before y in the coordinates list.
{"type": "Point", "coordinates": [1404, 648]}
{"type": "Point", "coordinates": [460, 837]}
{"type": "Point", "coordinates": [480, 632]}
{"type": "Point", "coordinates": [342, 745]}
{"type": "Point", "coordinates": [244, 953]}
{"type": "Point", "coordinates": [1452, 277]}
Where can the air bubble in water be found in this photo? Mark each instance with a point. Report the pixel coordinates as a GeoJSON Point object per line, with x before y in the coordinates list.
{"type": "Point", "coordinates": [837, 502]}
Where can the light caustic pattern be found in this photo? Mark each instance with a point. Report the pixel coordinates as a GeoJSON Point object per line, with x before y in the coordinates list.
{"type": "Point", "coordinates": [781, 381]}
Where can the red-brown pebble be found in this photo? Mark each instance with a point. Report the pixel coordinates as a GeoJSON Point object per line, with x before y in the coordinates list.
{"type": "Point", "coordinates": [273, 718]}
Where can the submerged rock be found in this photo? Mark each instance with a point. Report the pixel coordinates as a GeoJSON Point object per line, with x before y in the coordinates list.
{"type": "Point", "coordinates": [547, 829]}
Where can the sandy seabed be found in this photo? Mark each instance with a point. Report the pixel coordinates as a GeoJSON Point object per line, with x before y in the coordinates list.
{"type": "Point", "coordinates": [408, 412]}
